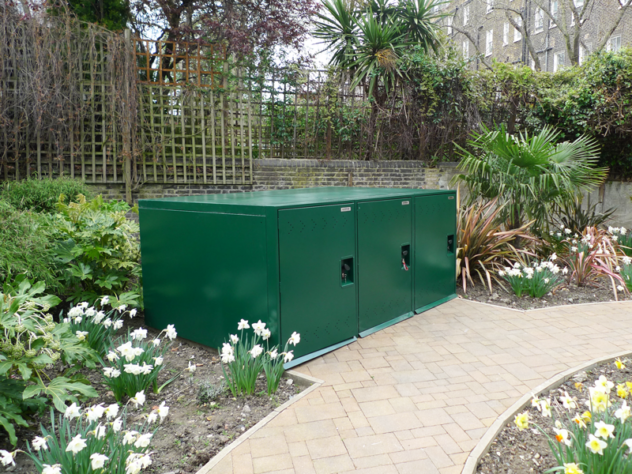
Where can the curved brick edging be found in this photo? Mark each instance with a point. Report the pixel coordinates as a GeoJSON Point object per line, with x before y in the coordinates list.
{"type": "Point", "coordinates": [271, 416]}
{"type": "Point", "coordinates": [483, 445]}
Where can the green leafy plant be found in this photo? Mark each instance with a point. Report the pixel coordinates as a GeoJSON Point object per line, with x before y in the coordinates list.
{"type": "Point", "coordinates": [96, 440]}
{"type": "Point", "coordinates": [245, 358]}
{"type": "Point", "coordinates": [209, 392]}
{"type": "Point", "coordinates": [26, 246]}
{"type": "Point", "coordinates": [98, 251]}
{"type": "Point", "coordinates": [94, 326]}
{"type": "Point", "coordinates": [29, 341]}
{"type": "Point", "coordinates": [595, 442]}
{"type": "Point", "coordinates": [134, 365]}
{"type": "Point", "coordinates": [623, 238]}
{"type": "Point", "coordinates": [42, 195]}
{"type": "Point", "coordinates": [571, 215]}
{"type": "Point", "coordinates": [591, 257]}
{"type": "Point", "coordinates": [529, 173]}
{"type": "Point", "coordinates": [535, 280]}
{"type": "Point", "coordinates": [483, 247]}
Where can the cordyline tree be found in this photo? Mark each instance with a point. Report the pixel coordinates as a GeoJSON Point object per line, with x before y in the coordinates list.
{"type": "Point", "coordinates": [368, 37]}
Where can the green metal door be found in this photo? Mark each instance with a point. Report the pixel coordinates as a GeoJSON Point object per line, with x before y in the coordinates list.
{"type": "Point", "coordinates": [435, 245]}
{"type": "Point", "coordinates": [317, 301]}
{"type": "Point", "coordinates": [385, 282]}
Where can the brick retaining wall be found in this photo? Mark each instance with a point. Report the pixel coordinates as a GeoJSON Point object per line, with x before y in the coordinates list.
{"type": "Point", "coordinates": [287, 174]}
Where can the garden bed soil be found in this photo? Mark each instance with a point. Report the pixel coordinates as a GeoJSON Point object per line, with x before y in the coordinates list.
{"type": "Point", "coordinates": [193, 432]}
{"type": "Point", "coordinates": [567, 293]}
{"type": "Point", "coordinates": [517, 452]}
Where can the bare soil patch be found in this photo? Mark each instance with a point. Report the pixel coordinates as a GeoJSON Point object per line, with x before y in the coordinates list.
{"type": "Point", "coordinates": [567, 293]}
{"type": "Point", "coordinates": [194, 431]}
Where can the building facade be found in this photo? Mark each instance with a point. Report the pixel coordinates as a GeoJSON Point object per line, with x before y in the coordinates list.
{"type": "Point", "coordinates": [486, 29]}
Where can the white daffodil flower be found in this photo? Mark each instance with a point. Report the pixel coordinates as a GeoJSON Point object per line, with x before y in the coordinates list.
{"type": "Point", "coordinates": [76, 445]}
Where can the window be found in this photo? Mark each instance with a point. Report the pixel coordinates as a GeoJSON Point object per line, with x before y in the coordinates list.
{"type": "Point", "coordinates": [489, 42]}
{"type": "Point", "coordinates": [466, 49]}
{"type": "Point", "coordinates": [559, 60]}
{"type": "Point", "coordinates": [505, 34]}
{"type": "Point", "coordinates": [614, 44]}
{"type": "Point", "coordinates": [450, 25]}
{"type": "Point", "coordinates": [539, 20]}
{"type": "Point", "coordinates": [466, 14]}
{"type": "Point", "coordinates": [517, 33]}
{"type": "Point", "coordinates": [555, 8]}
{"type": "Point", "coordinates": [578, 4]}
{"type": "Point", "coordinates": [583, 53]}
{"type": "Point", "coordinates": [490, 6]}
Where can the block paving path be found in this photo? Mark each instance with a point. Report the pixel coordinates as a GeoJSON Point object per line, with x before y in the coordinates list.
{"type": "Point", "coordinates": [416, 398]}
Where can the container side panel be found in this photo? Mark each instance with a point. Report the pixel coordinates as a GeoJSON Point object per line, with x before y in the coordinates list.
{"type": "Point", "coordinates": [384, 240]}
{"type": "Point", "coordinates": [203, 272]}
{"type": "Point", "coordinates": [435, 258]}
{"type": "Point", "coordinates": [316, 301]}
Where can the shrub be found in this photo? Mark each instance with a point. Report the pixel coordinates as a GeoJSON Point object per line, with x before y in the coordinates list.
{"type": "Point", "coordinates": [535, 280]}
{"type": "Point", "coordinates": [483, 246]}
{"type": "Point", "coordinates": [42, 195]}
{"type": "Point", "coordinates": [95, 441]}
{"type": "Point", "coordinates": [98, 249]}
{"type": "Point", "coordinates": [208, 392]}
{"type": "Point", "coordinates": [529, 173]}
{"type": "Point", "coordinates": [591, 257]}
{"type": "Point", "coordinates": [26, 246]}
{"type": "Point", "coordinates": [134, 365]}
{"type": "Point", "coordinates": [246, 358]}
{"type": "Point", "coordinates": [571, 215]}
{"type": "Point", "coordinates": [29, 341]}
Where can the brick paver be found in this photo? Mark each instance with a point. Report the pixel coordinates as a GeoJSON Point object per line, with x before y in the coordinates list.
{"type": "Point", "coordinates": [416, 397]}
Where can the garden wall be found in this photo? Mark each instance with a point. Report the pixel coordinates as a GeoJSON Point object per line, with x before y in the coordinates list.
{"type": "Point", "coordinates": [287, 174]}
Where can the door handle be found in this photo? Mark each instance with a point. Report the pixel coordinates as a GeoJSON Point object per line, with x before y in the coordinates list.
{"type": "Point", "coordinates": [405, 257]}
{"type": "Point", "coordinates": [346, 271]}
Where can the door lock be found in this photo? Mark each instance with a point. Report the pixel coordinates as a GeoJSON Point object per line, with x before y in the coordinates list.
{"type": "Point", "coordinates": [346, 271]}
{"type": "Point", "coordinates": [405, 257]}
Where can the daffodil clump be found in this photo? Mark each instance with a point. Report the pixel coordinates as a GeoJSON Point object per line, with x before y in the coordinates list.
{"type": "Point", "coordinates": [623, 238]}
{"type": "Point", "coordinates": [246, 358]}
{"type": "Point", "coordinates": [535, 280]}
{"type": "Point", "coordinates": [94, 325]}
{"type": "Point", "coordinates": [593, 436]}
{"type": "Point", "coordinates": [93, 439]}
{"type": "Point", "coordinates": [133, 366]}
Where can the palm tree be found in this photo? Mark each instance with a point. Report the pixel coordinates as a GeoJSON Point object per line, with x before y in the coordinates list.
{"type": "Point", "coordinates": [366, 40]}
{"type": "Point", "coordinates": [531, 173]}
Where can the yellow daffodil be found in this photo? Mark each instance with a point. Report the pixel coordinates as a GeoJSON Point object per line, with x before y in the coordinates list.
{"type": "Point", "coordinates": [629, 385]}
{"type": "Point", "coordinates": [572, 468]}
{"type": "Point", "coordinates": [604, 430]}
{"type": "Point", "coordinates": [620, 365]}
{"type": "Point", "coordinates": [587, 417]}
{"type": "Point", "coordinates": [622, 391]}
{"type": "Point", "coordinates": [522, 420]}
{"type": "Point", "coordinates": [599, 400]}
{"type": "Point", "coordinates": [579, 386]}
{"type": "Point", "coordinates": [596, 445]}
{"type": "Point", "coordinates": [535, 402]}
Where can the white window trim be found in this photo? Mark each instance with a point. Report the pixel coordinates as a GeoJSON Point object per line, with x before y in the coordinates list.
{"type": "Point", "coordinates": [450, 21]}
{"type": "Point", "coordinates": [517, 32]}
{"type": "Point", "coordinates": [490, 6]}
{"type": "Point", "coordinates": [466, 15]}
{"type": "Point", "coordinates": [553, 23]}
{"type": "Point", "coordinates": [539, 29]}
{"type": "Point", "coordinates": [466, 48]}
{"type": "Point", "coordinates": [556, 62]}
{"type": "Point", "coordinates": [609, 44]}
{"type": "Point", "coordinates": [506, 33]}
{"type": "Point", "coordinates": [489, 43]}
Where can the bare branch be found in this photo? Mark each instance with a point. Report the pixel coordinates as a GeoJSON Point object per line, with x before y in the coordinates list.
{"type": "Point", "coordinates": [469, 36]}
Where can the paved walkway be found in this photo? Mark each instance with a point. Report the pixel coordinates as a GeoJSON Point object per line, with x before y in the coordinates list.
{"type": "Point", "coordinates": [416, 397]}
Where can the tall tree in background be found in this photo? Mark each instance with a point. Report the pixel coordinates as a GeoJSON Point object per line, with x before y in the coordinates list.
{"type": "Point", "coordinates": [245, 26]}
{"type": "Point", "coordinates": [366, 39]}
{"type": "Point", "coordinates": [112, 14]}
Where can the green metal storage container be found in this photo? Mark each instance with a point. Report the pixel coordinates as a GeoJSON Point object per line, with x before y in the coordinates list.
{"type": "Point", "coordinates": [328, 263]}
